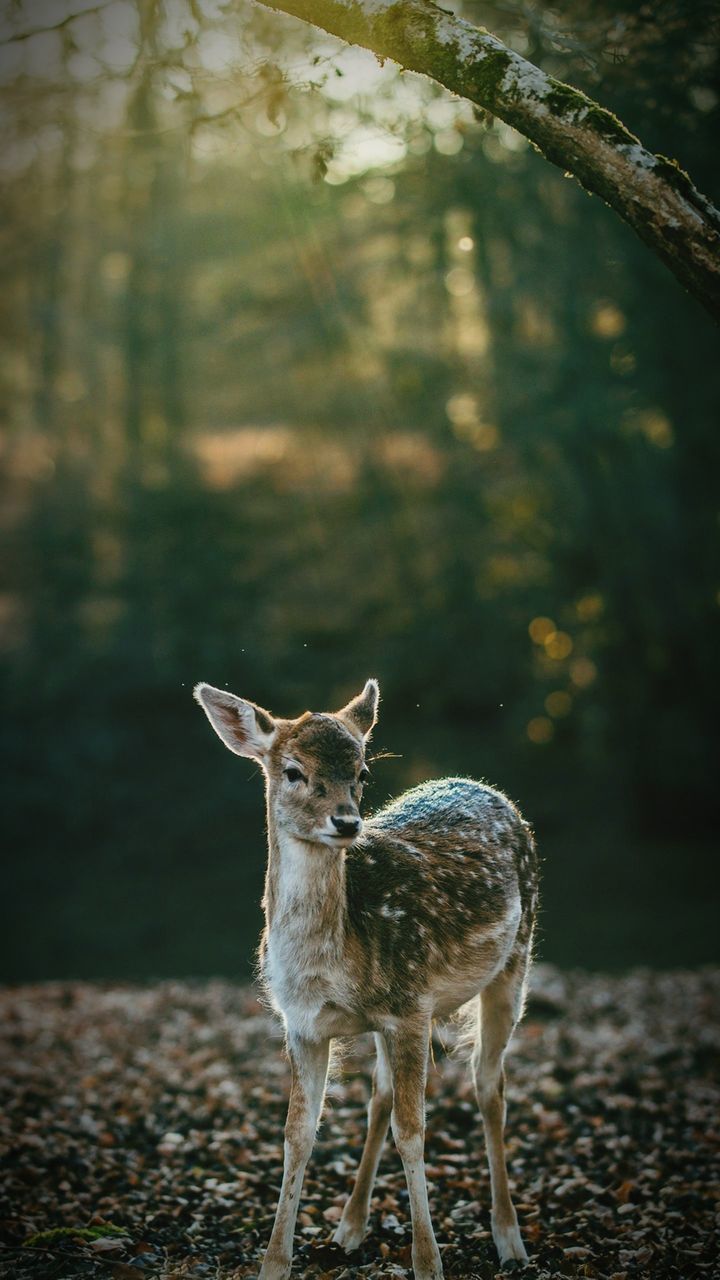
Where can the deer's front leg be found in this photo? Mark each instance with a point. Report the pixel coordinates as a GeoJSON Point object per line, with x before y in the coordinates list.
{"type": "Point", "coordinates": [309, 1064]}
{"type": "Point", "coordinates": [408, 1050]}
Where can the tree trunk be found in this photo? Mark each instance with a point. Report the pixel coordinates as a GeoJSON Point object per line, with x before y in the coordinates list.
{"type": "Point", "coordinates": [653, 194]}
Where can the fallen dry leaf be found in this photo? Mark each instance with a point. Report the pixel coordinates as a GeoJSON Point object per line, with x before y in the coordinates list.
{"type": "Point", "coordinates": [158, 1111]}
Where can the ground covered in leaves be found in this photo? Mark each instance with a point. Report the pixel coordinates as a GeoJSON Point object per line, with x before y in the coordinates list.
{"type": "Point", "coordinates": [141, 1135]}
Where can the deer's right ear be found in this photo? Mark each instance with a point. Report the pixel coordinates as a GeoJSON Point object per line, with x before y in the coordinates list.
{"type": "Point", "coordinates": [244, 728]}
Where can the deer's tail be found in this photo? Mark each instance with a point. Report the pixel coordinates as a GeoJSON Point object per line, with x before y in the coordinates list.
{"type": "Point", "coordinates": [467, 1023]}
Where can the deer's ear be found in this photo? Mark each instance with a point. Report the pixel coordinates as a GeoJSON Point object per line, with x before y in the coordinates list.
{"type": "Point", "coordinates": [244, 728]}
{"type": "Point", "coordinates": [361, 712]}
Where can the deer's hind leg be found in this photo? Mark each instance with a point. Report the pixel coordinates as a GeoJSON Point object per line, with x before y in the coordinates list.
{"type": "Point", "coordinates": [408, 1052]}
{"type": "Point", "coordinates": [353, 1225]}
{"type": "Point", "coordinates": [500, 1009]}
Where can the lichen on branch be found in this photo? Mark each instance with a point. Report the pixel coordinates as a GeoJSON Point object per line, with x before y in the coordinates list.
{"type": "Point", "coordinates": [651, 193]}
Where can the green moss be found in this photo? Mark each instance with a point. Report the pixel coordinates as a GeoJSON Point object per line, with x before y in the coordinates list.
{"type": "Point", "coordinates": [675, 177]}
{"type": "Point", "coordinates": [73, 1233]}
{"type": "Point", "coordinates": [410, 37]}
{"type": "Point", "coordinates": [563, 100]}
{"type": "Point", "coordinates": [608, 126]}
{"type": "Point", "coordinates": [569, 103]}
{"type": "Point", "coordinates": [488, 75]}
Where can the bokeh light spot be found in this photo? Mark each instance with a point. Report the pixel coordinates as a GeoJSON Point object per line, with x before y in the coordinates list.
{"type": "Point", "coordinates": [582, 672]}
{"type": "Point", "coordinates": [590, 607]}
{"type": "Point", "coordinates": [448, 142]}
{"type": "Point", "coordinates": [462, 409]}
{"type": "Point", "coordinates": [558, 645]}
{"type": "Point", "coordinates": [459, 282]}
{"type": "Point", "coordinates": [656, 428]}
{"type": "Point", "coordinates": [607, 320]}
{"type": "Point", "coordinates": [558, 704]}
{"type": "Point", "coordinates": [540, 628]}
{"type": "Point", "coordinates": [379, 190]}
{"type": "Point", "coordinates": [540, 730]}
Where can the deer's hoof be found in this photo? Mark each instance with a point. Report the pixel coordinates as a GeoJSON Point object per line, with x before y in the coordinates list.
{"type": "Point", "coordinates": [509, 1245]}
{"type": "Point", "coordinates": [349, 1235]}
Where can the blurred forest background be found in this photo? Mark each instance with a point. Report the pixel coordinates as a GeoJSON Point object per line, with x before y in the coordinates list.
{"type": "Point", "coordinates": [308, 374]}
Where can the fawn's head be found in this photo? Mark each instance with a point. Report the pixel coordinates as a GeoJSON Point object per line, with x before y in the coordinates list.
{"type": "Point", "coordinates": [314, 766]}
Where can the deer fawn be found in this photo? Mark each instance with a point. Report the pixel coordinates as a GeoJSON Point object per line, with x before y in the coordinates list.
{"type": "Point", "coordinates": [382, 926]}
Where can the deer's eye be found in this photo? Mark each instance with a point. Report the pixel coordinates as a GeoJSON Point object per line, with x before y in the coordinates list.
{"type": "Point", "coordinates": [294, 775]}
{"type": "Point", "coordinates": [364, 776]}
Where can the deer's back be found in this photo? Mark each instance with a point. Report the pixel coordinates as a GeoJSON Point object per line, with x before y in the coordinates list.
{"type": "Point", "coordinates": [442, 890]}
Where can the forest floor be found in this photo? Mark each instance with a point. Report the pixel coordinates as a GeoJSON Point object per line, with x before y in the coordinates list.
{"type": "Point", "coordinates": [141, 1136]}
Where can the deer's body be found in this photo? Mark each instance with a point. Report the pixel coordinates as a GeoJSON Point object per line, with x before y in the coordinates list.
{"type": "Point", "coordinates": [423, 910]}
{"type": "Point", "coordinates": [383, 927]}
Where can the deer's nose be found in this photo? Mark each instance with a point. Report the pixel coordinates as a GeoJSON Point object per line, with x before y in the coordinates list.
{"type": "Point", "coordinates": [346, 826]}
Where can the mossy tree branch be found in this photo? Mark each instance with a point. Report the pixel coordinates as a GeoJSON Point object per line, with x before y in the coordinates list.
{"type": "Point", "coordinates": [651, 193]}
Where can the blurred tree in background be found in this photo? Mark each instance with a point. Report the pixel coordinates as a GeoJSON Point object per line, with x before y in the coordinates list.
{"type": "Point", "coordinates": [309, 374]}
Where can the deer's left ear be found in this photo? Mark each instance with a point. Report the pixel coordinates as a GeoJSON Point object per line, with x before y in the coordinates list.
{"type": "Point", "coordinates": [361, 713]}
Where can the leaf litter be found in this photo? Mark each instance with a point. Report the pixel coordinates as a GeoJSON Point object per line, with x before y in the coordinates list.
{"type": "Point", "coordinates": [141, 1136]}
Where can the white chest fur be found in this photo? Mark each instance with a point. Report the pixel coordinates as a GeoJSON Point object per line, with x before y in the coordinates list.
{"type": "Point", "coordinates": [303, 965]}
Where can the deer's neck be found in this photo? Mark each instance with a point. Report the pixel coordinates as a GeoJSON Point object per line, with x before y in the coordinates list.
{"type": "Point", "coordinates": [305, 890]}
{"type": "Point", "coordinates": [304, 946]}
